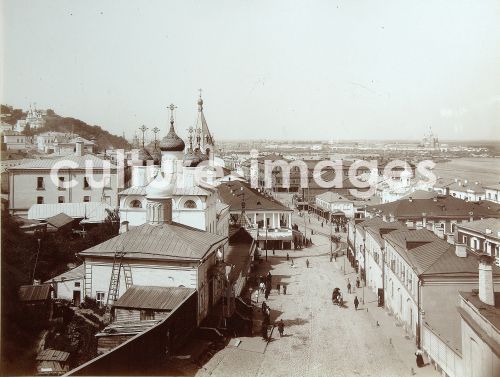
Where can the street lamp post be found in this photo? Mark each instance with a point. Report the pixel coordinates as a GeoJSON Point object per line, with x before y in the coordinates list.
{"type": "Point", "coordinates": [331, 241]}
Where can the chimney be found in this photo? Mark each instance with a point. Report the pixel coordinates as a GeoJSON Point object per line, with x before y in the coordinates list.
{"type": "Point", "coordinates": [57, 149]}
{"type": "Point", "coordinates": [488, 231]}
{"type": "Point", "coordinates": [471, 216]}
{"type": "Point", "coordinates": [435, 199]}
{"type": "Point", "coordinates": [391, 217]}
{"type": "Point", "coordinates": [79, 148]}
{"type": "Point", "coordinates": [410, 199]}
{"type": "Point", "coordinates": [384, 217]}
{"type": "Point", "coordinates": [424, 220]}
{"type": "Point", "coordinates": [486, 293]}
{"type": "Point", "coordinates": [36, 282]}
{"type": "Point", "coordinates": [461, 250]}
{"type": "Point", "coordinates": [124, 227]}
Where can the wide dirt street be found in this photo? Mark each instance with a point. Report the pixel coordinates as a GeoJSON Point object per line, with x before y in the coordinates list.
{"type": "Point", "coordinates": [320, 338]}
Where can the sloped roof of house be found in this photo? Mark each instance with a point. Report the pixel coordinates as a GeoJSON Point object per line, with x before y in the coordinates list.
{"type": "Point", "coordinates": [420, 194]}
{"type": "Point", "coordinates": [159, 242]}
{"type": "Point", "coordinates": [157, 298]}
{"type": "Point", "coordinates": [254, 201]}
{"type": "Point", "coordinates": [91, 212]}
{"type": "Point", "coordinates": [442, 206]}
{"type": "Point", "coordinates": [73, 161]}
{"type": "Point", "coordinates": [430, 255]}
{"type": "Point", "coordinates": [194, 190]}
{"type": "Point", "coordinates": [493, 187]}
{"type": "Point", "coordinates": [34, 292]}
{"type": "Point", "coordinates": [378, 229]}
{"type": "Point", "coordinates": [333, 197]}
{"type": "Point", "coordinates": [59, 220]}
{"type": "Point", "coordinates": [475, 187]}
{"type": "Point", "coordinates": [481, 226]}
{"type": "Point", "coordinates": [76, 273]}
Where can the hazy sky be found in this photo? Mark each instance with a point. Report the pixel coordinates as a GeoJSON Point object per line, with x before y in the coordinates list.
{"type": "Point", "coordinates": [268, 69]}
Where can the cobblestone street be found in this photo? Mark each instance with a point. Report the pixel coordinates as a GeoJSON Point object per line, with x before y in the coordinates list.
{"type": "Point", "coordinates": [320, 338]}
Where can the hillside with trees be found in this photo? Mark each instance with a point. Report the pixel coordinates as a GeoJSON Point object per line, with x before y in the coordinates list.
{"type": "Point", "coordinates": [55, 122]}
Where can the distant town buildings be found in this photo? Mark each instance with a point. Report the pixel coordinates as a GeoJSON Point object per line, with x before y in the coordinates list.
{"type": "Point", "coordinates": [34, 120]}
{"type": "Point", "coordinates": [31, 182]}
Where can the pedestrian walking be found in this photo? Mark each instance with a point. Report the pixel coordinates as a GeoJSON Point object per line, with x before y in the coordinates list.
{"type": "Point", "coordinates": [266, 293]}
{"type": "Point", "coordinates": [356, 302]}
{"type": "Point", "coordinates": [261, 286]}
{"type": "Point", "coordinates": [273, 251]}
{"type": "Point", "coordinates": [284, 289]}
{"type": "Point", "coordinates": [292, 262]}
{"type": "Point", "coordinates": [278, 287]}
{"type": "Point", "coordinates": [264, 330]}
{"type": "Point", "coordinates": [349, 288]}
{"type": "Point", "coordinates": [307, 263]}
{"type": "Point", "coordinates": [257, 295]}
{"type": "Point", "coordinates": [287, 257]}
{"type": "Point", "coordinates": [281, 327]}
{"type": "Point", "coordinates": [357, 282]}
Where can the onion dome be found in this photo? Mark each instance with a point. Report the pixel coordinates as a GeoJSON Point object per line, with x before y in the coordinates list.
{"type": "Point", "coordinates": [144, 155]}
{"type": "Point", "coordinates": [172, 142]}
{"type": "Point", "coordinates": [161, 187]}
{"type": "Point", "coordinates": [192, 159]}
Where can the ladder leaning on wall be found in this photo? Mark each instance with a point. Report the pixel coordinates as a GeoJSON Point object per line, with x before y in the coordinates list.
{"type": "Point", "coordinates": [114, 283]}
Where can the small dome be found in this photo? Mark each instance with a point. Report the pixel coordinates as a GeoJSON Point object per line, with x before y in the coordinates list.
{"type": "Point", "coordinates": [172, 142]}
{"type": "Point", "coordinates": [161, 187]}
{"type": "Point", "coordinates": [143, 155]}
{"type": "Point", "coordinates": [200, 102]}
{"type": "Point", "coordinates": [192, 159]}
{"type": "Point", "coordinates": [156, 154]}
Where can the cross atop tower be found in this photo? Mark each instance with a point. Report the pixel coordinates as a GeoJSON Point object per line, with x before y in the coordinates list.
{"type": "Point", "coordinates": [200, 90]}
{"type": "Point", "coordinates": [143, 129]}
{"type": "Point", "coordinates": [172, 107]}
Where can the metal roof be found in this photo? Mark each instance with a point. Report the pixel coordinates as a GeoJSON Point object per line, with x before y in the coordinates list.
{"type": "Point", "coordinates": [59, 220]}
{"type": "Point", "coordinates": [157, 298]}
{"type": "Point", "coordinates": [254, 200]}
{"type": "Point", "coordinates": [195, 190]}
{"type": "Point", "coordinates": [76, 273]}
{"type": "Point", "coordinates": [165, 241]}
{"type": "Point", "coordinates": [52, 355]}
{"type": "Point", "coordinates": [480, 226]}
{"type": "Point", "coordinates": [35, 292]}
{"type": "Point", "coordinates": [81, 162]}
{"type": "Point", "coordinates": [441, 206]}
{"type": "Point", "coordinates": [91, 212]}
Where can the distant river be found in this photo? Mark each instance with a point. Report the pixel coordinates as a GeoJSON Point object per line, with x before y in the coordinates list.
{"type": "Point", "coordinates": [485, 170]}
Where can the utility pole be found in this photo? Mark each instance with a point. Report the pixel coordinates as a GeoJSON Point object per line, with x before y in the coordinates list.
{"type": "Point", "coordinates": [36, 260]}
{"type": "Point", "coordinates": [143, 129]}
{"type": "Point", "coordinates": [331, 241]}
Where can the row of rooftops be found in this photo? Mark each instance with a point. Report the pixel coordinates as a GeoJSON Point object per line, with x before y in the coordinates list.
{"type": "Point", "coordinates": [464, 185]}
{"type": "Point", "coordinates": [438, 206]}
{"type": "Point", "coordinates": [420, 248]}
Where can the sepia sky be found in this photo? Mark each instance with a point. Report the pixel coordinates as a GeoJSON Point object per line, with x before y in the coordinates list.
{"type": "Point", "coordinates": [269, 69]}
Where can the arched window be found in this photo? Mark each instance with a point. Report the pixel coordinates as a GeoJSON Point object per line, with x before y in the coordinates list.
{"type": "Point", "coordinates": [189, 204]}
{"type": "Point", "coordinates": [135, 204]}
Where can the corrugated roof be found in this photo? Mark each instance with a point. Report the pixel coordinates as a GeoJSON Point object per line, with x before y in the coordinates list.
{"type": "Point", "coordinates": [59, 220]}
{"type": "Point", "coordinates": [52, 355]}
{"type": "Point", "coordinates": [469, 186]}
{"type": "Point", "coordinates": [73, 274]}
{"type": "Point", "coordinates": [91, 212]}
{"type": "Point", "coordinates": [80, 161]}
{"type": "Point", "coordinates": [158, 298]}
{"type": "Point", "coordinates": [166, 241]}
{"type": "Point", "coordinates": [34, 292]}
